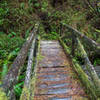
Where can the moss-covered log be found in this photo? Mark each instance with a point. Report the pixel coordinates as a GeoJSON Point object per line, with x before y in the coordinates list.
{"type": "Point", "coordinates": [11, 78]}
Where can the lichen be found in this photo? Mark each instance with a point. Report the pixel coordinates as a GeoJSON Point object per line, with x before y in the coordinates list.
{"type": "Point", "coordinates": [28, 92]}
{"type": "Point", "coordinates": [25, 94]}
{"type": "Point", "coordinates": [32, 85]}
{"type": "Point", "coordinates": [90, 89]}
{"type": "Point", "coordinates": [3, 95]}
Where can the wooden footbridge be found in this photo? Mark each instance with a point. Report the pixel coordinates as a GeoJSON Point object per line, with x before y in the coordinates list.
{"type": "Point", "coordinates": [56, 75]}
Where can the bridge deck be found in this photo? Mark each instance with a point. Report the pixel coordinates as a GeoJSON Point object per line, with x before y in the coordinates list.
{"type": "Point", "coordinates": [54, 75]}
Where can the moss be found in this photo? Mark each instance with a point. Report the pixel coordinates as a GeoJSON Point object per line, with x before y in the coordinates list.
{"type": "Point", "coordinates": [64, 45]}
{"type": "Point", "coordinates": [28, 92]}
{"type": "Point", "coordinates": [25, 94]}
{"type": "Point", "coordinates": [34, 78]}
{"type": "Point", "coordinates": [90, 89]}
{"type": "Point", "coordinates": [3, 95]}
{"type": "Point", "coordinates": [39, 55]}
{"type": "Point", "coordinates": [32, 85]}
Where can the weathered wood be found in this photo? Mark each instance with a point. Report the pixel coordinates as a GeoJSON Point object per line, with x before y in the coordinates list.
{"type": "Point", "coordinates": [97, 69]}
{"type": "Point", "coordinates": [90, 88]}
{"type": "Point", "coordinates": [73, 45]}
{"type": "Point", "coordinates": [30, 63]}
{"type": "Point", "coordinates": [52, 72]}
{"type": "Point", "coordinates": [28, 90]}
{"type": "Point", "coordinates": [87, 40]}
{"type": "Point", "coordinates": [11, 78]}
{"type": "Point", "coordinates": [89, 66]}
{"type": "Point", "coordinates": [90, 42]}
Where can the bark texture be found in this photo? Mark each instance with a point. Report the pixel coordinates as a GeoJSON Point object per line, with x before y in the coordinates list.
{"type": "Point", "coordinates": [89, 86]}
{"type": "Point", "coordinates": [11, 78]}
{"type": "Point", "coordinates": [89, 66]}
{"type": "Point", "coordinates": [87, 40]}
{"type": "Point", "coordinates": [30, 63]}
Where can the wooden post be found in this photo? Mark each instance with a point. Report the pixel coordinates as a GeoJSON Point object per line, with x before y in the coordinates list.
{"type": "Point", "coordinates": [73, 45]}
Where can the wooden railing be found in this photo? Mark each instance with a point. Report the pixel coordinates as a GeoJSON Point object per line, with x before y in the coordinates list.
{"type": "Point", "coordinates": [88, 76]}
{"type": "Point", "coordinates": [12, 76]}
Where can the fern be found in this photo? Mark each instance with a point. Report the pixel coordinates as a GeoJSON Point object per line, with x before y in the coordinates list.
{"type": "Point", "coordinates": [6, 62]}
{"type": "Point", "coordinates": [18, 89]}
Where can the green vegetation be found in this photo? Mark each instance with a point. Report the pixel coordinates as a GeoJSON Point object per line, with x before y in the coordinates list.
{"type": "Point", "coordinates": [17, 18]}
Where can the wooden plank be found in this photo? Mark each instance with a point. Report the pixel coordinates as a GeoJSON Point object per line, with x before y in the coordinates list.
{"type": "Point", "coordinates": [54, 80]}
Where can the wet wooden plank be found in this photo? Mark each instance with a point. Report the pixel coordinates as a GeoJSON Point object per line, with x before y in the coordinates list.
{"type": "Point", "coordinates": [54, 76]}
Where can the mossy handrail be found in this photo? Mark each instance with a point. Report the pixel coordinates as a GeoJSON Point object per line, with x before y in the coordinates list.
{"type": "Point", "coordinates": [92, 45]}
{"type": "Point", "coordinates": [82, 36]}
{"type": "Point", "coordinates": [11, 78]}
{"type": "Point", "coordinates": [94, 81]}
{"type": "Point", "coordinates": [29, 84]}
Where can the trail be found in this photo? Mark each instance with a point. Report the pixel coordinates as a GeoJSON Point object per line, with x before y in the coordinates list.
{"type": "Point", "coordinates": [55, 78]}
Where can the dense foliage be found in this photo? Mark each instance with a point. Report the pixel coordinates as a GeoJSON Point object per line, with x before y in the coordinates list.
{"type": "Point", "coordinates": [17, 17]}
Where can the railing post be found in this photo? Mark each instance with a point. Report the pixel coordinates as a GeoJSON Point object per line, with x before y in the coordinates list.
{"type": "Point", "coordinates": [73, 44]}
{"type": "Point", "coordinates": [60, 29]}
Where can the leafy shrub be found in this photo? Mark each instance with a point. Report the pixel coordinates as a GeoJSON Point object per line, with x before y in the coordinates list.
{"type": "Point", "coordinates": [97, 62]}
{"type": "Point", "coordinates": [50, 36]}
{"type": "Point", "coordinates": [8, 45]}
{"type": "Point", "coordinates": [9, 48]}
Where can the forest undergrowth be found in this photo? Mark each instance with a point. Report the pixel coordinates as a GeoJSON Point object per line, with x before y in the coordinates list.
{"type": "Point", "coordinates": [17, 18]}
